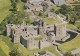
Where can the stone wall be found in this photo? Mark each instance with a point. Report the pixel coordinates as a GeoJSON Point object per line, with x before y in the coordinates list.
{"type": "Point", "coordinates": [60, 32]}
{"type": "Point", "coordinates": [44, 43]}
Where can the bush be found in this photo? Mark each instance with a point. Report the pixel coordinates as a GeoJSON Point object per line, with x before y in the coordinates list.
{"type": "Point", "coordinates": [67, 54]}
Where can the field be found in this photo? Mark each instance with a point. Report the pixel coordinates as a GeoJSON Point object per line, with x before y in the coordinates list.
{"type": "Point", "coordinates": [7, 41]}
{"type": "Point", "coordinates": [52, 21]}
{"type": "Point", "coordinates": [71, 45]}
{"type": "Point", "coordinates": [77, 23]}
{"type": "Point", "coordinates": [4, 47]}
{"type": "Point", "coordinates": [20, 5]}
{"type": "Point", "coordinates": [71, 26]}
{"type": "Point", "coordinates": [4, 9]}
{"type": "Point", "coordinates": [2, 53]}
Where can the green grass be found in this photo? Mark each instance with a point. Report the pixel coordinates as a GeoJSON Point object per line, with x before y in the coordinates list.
{"type": "Point", "coordinates": [20, 5]}
{"type": "Point", "coordinates": [4, 47]}
{"type": "Point", "coordinates": [53, 20]}
{"type": "Point", "coordinates": [71, 45]}
{"type": "Point", "coordinates": [49, 20]}
{"type": "Point", "coordinates": [71, 26]}
{"type": "Point", "coordinates": [56, 8]}
{"type": "Point", "coordinates": [39, 38]}
{"type": "Point", "coordinates": [4, 9]}
{"type": "Point", "coordinates": [26, 52]}
{"type": "Point", "coordinates": [7, 41]}
{"type": "Point", "coordinates": [77, 24]}
{"type": "Point", "coordinates": [2, 53]}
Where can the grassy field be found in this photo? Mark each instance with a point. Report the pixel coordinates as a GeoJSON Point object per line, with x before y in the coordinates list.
{"type": "Point", "coordinates": [4, 9]}
{"type": "Point", "coordinates": [71, 45]}
{"type": "Point", "coordinates": [77, 24]}
{"type": "Point", "coordinates": [51, 21]}
{"type": "Point", "coordinates": [20, 5]}
{"type": "Point", "coordinates": [26, 52]}
{"type": "Point", "coordinates": [71, 26]}
{"type": "Point", "coordinates": [7, 41]}
{"type": "Point", "coordinates": [4, 47]}
{"type": "Point", "coordinates": [56, 8]}
{"type": "Point", "coordinates": [2, 53]}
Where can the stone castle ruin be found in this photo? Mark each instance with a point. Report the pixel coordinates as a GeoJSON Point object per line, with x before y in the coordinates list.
{"type": "Point", "coordinates": [26, 34]}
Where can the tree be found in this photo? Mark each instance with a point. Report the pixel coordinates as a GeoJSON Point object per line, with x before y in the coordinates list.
{"type": "Point", "coordinates": [25, 7]}
{"type": "Point", "coordinates": [12, 1]}
{"type": "Point", "coordinates": [65, 9]}
{"type": "Point", "coordinates": [67, 54]}
{"type": "Point", "coordinates": [24, 1]}
{"type": "Point", "coordinates": [41, 13]}
{"type": "Point", "coordinates": [14, 5]}
{"type": "Point", "coordinates": [16, 0]}
{"type": "Point", "coordinates": [52, 10]}
{"type": "Point", "coordinates": [12, 19]}
{"type": "Point", "coordinates": [57, 12]}
{"type": "Point", "coordinates": [15, 52]}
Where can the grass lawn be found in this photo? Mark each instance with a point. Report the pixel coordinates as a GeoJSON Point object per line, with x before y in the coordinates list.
{"type": "Point", "coordinates": [4, 9]}
{"type": "Point", "coordinates": [56, 8]}
{"type": "Point", "coordinates": [49, 20]}
{"type": "Point", "coordinates": [20, 5]}
{"type": "Point", "coordinates": [71, 45]}
{"type": "Point", "coordinates": [28, 52]}
{"type": "Point", "coordinates": [2, 53]}
{"type": "Point", "coordinates": [77, 24]}
{"type": "Point", "coordinates": [7, 41]}
{"type": "Point", "coordinates": [4, 47]}
{"type": "Point", "coordinates": [71, 26]}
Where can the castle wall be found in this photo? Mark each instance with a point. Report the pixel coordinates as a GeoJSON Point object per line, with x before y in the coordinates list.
{"type": "Point", "coordinates": [60, 32]}
{"type": "Point", "coordinates": [34, 1]}
{"type": "Point", "coordinates": [44, 43]}
{"type": "Point", "coordinates": [25, 34]}
{"type": "Point", "coordinates": [9, 29]}
{"type": "Point", "coordinates": [16, 39]}
{"type": "Point", "coordinates": [32, 44]}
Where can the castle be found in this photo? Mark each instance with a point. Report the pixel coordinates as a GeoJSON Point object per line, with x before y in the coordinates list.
{"type": "Point", "coordinates": [27, 34]}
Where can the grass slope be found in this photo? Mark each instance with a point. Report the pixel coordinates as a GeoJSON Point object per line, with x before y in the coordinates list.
{"type": "Point", "coordinates": [71, 26]}
{"type": "Point", "coordinates": [28, 52]}
{"type": "Point", "coordinates": [4, 9]}
{"type": "Point", "coordinates": [7, 41]}
{"type": "Point", "coordinates": [71, 45]}
{"type": "Point", "coordinates": [77, 23]}
{"type": "Point", "coordinates": [20, 5]}
{"type": "Point", "coordinates": [2, 53]}
{"type": "Point", "coordinates": [4, 47]}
